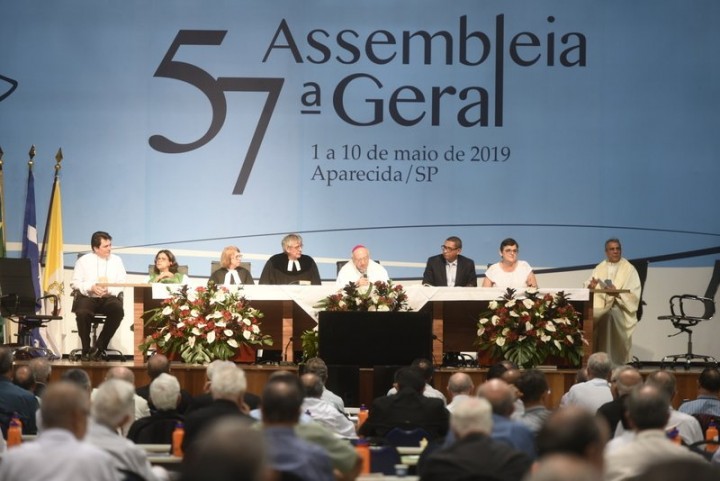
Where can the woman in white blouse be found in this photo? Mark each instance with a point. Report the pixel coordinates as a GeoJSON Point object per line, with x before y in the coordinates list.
{"type": "Point", "coordinates": [509, 272]}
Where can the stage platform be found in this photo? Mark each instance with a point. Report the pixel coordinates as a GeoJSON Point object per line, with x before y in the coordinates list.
{"type": "Point", "coordinates": [192, 378]}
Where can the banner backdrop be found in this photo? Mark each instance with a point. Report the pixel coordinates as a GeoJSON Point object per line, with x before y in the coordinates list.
{"type": "Point", "coordinates": [193, 124]}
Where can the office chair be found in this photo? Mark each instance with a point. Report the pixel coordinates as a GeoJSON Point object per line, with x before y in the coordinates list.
{"type": "Point", "coordinates": [406, 437]}
{"type": "Point", "coordinates": [680, 308]}
{"type": "Point", "coordinates": [77, 354]}
{"type": "Point", "coordinates": [18, 304]}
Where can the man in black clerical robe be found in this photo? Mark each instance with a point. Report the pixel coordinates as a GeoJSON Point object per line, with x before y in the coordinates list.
{"type": "Point", "coordinates": [290, 266]}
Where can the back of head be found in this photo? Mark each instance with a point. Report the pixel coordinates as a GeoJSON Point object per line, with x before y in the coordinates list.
{"type": "Point", "coordinates": [24, 378]}
{"type": "Point", "coordinates": [599, 366]}
{"type": "Point", "coordinates": [710, 380]}
{"type": "Point", "coordinates": [229, 384]}
{"type": "Point", "coordinates": [165, 392]}
{"type": "Point", "coordinates": [410, 378]}
{"type": "Point", "coordinates": [663, 380]}
{"type": "Point", "coordinates": [500, 396]}
{"type": "Point", "coordinates": [281, 400]}
{"type": "Point", "coordinates": [122, 373]}
{"type": "Point", "coordinates": [62, 401]}
{"type": "Point", "coordinates": [41, 369]}
{"type": "Point", "coordinates": [6, 362]}
{"type": "Point", "coordinates": [680, 470]}
{"type": "Point", "coordinates": [158, 364]}
{"type": "Point", "coordinates": [648, 408]}
{"type": "Point", "coordinates": [625, 378]}
{"type": "Point", "coordinates": [113, 402]}
{"type": "Point", "coordinates": [317, 366]}
{"type": "Point", "coordinates": [563, 467]}
{"type": "Point", "coordinates": [227, 451]}
{"type": "Point", "coordinates": [312, 385]}
{"type": "Point", "coordinates": [78, 376]}
{"type": "Point", "coordinates": [498, 369]}
{"type": "Point", "coordinates": [460, 383]}
{"type": "Point", "coordinates": [216, 366]}
{"type": "Point", "coordinates": [572, 430]}
{"type": "Point", "coordinates": [472, 415]}
{"type": "Point", "coordinates": [425, 367]}
{"type": "Point", "coordinates": [532, 384]}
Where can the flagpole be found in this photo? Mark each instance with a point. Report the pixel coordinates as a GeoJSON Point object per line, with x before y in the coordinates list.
{"type": "Point", "coordinates": [3, 244]}
{"type": "Point", "coordinates": [58, 159]}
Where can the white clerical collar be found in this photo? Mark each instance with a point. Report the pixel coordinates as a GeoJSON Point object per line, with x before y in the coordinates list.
{"type": "Point", "coordinates": [232, 277]}
{"type": "Point", "coordinates": [296, 263]}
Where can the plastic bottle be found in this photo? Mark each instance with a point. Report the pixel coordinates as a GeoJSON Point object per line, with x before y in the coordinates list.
{"type": "Point", "coordinates": [674, 436]}
{"type": "Point", "coordinates": [14, 434]}
{"type": "Point", "coordinates": [362, 447]}
{"type": "Point", "coordinates": [177, 439]}
{"type": "Point", "coordinates": [711, 434]}
{"type": "Point", "coordinates": [362, 415]}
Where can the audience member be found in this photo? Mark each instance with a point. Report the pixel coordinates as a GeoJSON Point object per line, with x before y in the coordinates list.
{"type": "Point", "coordinates": [59, 452]}
{"type": "Point", "coordinates": [230, 272]}
{"type": "Point", "coordinates": [687, 425]}
{"type": "Point", "coordinates": [708, 400]}
{"type": "Point", "coordinates": [460, 387]}
{"type": "Point", "coordinates": [291, 266]}
{"type": "Point", "coordinates": [159, 426]}
{"type": "Point", "coordinates": [509, 272]}
{"type": "Point", "coordinates": [205, 399]}
{"type": "Point", "coordinates": [141, 405]}
{"type": "Point", "coordinates": [474, 454]}
{"type": "Point", "coordinates": [648, 413]}
{"type": "Point", "coordinates": [502, 398]}
{"type": "Point", "coordinates": [361, 270]}
{"type": "Point", "coordinates": [228, 451]}
{"type": "Point", "coordinates": [563, 467]}
{"type": "Point", "coordinates": [498, 369]}
{"type": "Point", "coordinates": [425, 367]}
{"type": "Point", "coordinates": [450, 269]}
{"type": "Point", "coordinates": [682, 470]}
{"type": "Point", "coordinates": [622, 381]}
{"type": "Point", "coordinates": [112, 408]}
{"type": "Point", "coordinates": [159, 364]}
{"type": "Point", "coordinates": [573, 431]}
{"type": "Point", "coordinates": [79, 377]}
{"type": "Point", "coordinates": [317, 366]}
{"type": "Point", "coordinates": [511, 376]}
{"type": "Point", "coordinates": [24, 378]}
{"type": "Point", "coordinates": [92, 271]}
{"type": "Point", "coordinates": [615, 314]}
{"type": "Point", "coordinates": [41, 369]}
{"type": "Point", "coordinates": [14, 399]}
{"type": "Point", "coordinates": [594, 392]}
{"type": "Point", "coordinates": [227, 388]}
{"type": "Point", "coordinates": [407, 409]}
{"type": "Point", "coordinates": [322, 411]}
{"type": "Point", "coordinates": [534, 390]}
{"type": "Point", "coordinates": [287, 453]}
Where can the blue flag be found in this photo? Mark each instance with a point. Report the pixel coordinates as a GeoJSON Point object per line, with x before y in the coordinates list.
{"type": "Point", "coordinates": [30, 248]}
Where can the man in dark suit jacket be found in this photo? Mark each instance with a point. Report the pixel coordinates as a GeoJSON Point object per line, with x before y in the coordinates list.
{"type": "Point", "coordinates": [408, 409]}
{"type": "Point", "coordinates": [450, 261]}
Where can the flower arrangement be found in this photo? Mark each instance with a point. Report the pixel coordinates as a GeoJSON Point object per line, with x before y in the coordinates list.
{"type": "Point", "coordinates": [379, 296]}
{"type": "Point", "coordinates": [203, 324]}
{"type": "Point", "coordinates": [528, 329]}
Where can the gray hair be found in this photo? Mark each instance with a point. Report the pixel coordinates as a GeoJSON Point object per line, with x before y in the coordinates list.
{"type": "Point", "coordinates": [228, 384]}
{"type": "Point", "coordinates": [599, 365]}
{"type": "Point", "coordinates": [216, 366]}
{"type": "Point", "coordinates": [164, 392]}
{"type": "Point", "coordinates": [473, 415]}
{"type": "Point", "coordinates": [114, 400]}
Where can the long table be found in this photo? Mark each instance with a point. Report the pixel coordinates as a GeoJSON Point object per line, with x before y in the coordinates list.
{"type": "Point", "coordinates": [289, 310]}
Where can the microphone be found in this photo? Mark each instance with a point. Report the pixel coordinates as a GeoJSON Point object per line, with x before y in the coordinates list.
{"type": "Point", "coordinates": [290, 341]}
{"type": "Point", "coordinates": [435, 338]}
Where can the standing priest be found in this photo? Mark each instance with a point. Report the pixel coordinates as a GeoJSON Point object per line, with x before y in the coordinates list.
{"type": "Point", "coordinates": [290, 266]}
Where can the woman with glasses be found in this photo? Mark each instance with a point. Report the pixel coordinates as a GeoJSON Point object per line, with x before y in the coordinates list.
{"type": "Point", "coordinates": [231, 273]}
{"type": "Point", "coordinates": [166, 269]}
{"type": "Point", "coordinates": [509, 272]}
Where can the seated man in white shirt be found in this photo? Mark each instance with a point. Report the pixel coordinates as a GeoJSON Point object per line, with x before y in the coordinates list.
{"type": "Point", "coordinates": [425, 367]}
{"type": "Point", "coordinates": [594, 392]}
{"type": "Point", "coordinates": [322, 411]}
{"type": "Point", "coordinates": [361, 270]}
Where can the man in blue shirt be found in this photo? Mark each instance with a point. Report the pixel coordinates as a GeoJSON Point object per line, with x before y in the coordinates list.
{"type": "Point", "coordinates": [14, 399]}
{"type": "Point", "coordinates": [708, 400]}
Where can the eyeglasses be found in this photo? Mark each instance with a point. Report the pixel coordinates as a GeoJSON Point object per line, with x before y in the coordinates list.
{"type": "Point", "coordinates": [448, 248]}
{"type": "Point", "coordinates": [299, 246]}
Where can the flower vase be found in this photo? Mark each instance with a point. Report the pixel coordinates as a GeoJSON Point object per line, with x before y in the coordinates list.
{"type": "Point", "coordinates": [245, 354]}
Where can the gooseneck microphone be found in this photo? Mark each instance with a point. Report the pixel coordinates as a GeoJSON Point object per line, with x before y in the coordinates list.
{"type": "Point", "coordinates": [290, 341]}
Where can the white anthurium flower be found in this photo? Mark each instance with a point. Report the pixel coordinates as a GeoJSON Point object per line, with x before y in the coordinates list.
{"type": "Point", "coordinates": [528, 303]}
{"type": "Point", "coordinates": [167, 311]}
{"type": "Point", "coordinates": [255, 329]}
{"type": "Point", "coordinates": [194, 313]}
{"type": "Point", "coordinates": [180, 325]}
{"type": "Point", "coordinates": [557, 344]}
{"type": "Point", "coordinates": [342, 304]}
{"type": "Point", "coordinates": [247, 321]}
{"type": "Point", "coordinates": [514, 314]}
{"type": "Point", "coordinates": [201, 325]}
{"type": "Point", "coordinates": [211, 337]}
{"type": "Point", "coordinates": [480, 331]}
{"type": "Point", "coordinates": [383, 308]}
{"type": "Point", "coordinates": [545, 338]}
{"type": "Point", "coordinates": [562, 320]}
{"type": "Point", "coordinates": [495, 320]}
{"type": "Point", "coordinates": [233, 343]}
{"type": "Point", "coordinates": [167, 337]}
{"type": "Point", "coordinates": [550, 327]}
{"type": "Point", "coordinates": [484, 320]}
{"type": "Point", "coordinates": [528, 326]}
{"type": "Point", "coordinates": [531, 290]}
{"type": "Point", "coordinates": [372, 308]}
{"type": "Point", "coordinates": [522, 338]}
{"type": "Point", "coordinates": [191, 341]}
{"type": "Point", "coordinates": [228, 332]}
{"type": "Point", "coordinates": [510, 303]}
{"type": "Point", "coordinates": [493, 305]}
{"type": "Point", "coordinates": [192, 295]}
{"type": "Point", "coordinates": [569, 338]}
{"type": "Point", "coordinates": [500, 341]}
{"type": "Point", "coordinates": [221, 323]}
{"type": "Point", "coordinates": [246, 334]}
{"type": "Point", "coordinates": [506, 331]}
{"type": "Point", "coordinates": [196, 331]}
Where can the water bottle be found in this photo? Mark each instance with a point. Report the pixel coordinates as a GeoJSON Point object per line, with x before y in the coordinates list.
{"type": "Point", "coordinates": [14, 434]}
{"type": "Point", "coordinates": [711, 434]}
{"type": "Point", "coordinates": [177, 439]}
{"type": "Point", "coordinates": [362, 447]}
{"type": "Point", "coordinates": [362, 415]}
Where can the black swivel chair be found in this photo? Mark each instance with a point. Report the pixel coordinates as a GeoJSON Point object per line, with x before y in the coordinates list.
{"type": "Point", "coordinates": [685, 314]}
{"type": "Point", "coordinates": [18, 303]}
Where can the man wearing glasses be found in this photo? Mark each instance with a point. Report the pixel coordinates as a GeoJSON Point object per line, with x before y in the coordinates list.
{"type": "Point", "coordinates": [290, 266]}
{"type": "Point", "coordinates": [450, 269]}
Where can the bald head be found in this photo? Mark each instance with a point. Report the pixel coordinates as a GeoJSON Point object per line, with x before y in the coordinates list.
{"type": "Point", "coordinates": [500, 396]}
{"type": "Point", "coordinates": [122, 373]}
{"type": "Point", "coordinates": [158, 364]}
{"type": "Point", "coordinates": [65, 406]}
{"type": "Point", "coordinates": [563, 467]}
{"type": "Point", "coordinates": [575, 431]}
{"type": "Point", "coordinates": [460, 383]}
{"type": "Point", "coordinates": [624, 379]}
{"type": "Point", "coordinates": [312, 385]}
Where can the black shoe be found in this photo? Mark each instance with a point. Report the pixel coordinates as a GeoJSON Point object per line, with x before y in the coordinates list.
{"type": "Point", "coordinates": [95, 354]}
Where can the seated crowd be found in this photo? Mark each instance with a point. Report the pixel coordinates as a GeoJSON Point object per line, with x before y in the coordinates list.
{"type": "Point", "coordinates": [612, 425]}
